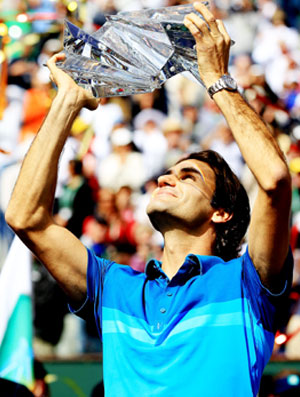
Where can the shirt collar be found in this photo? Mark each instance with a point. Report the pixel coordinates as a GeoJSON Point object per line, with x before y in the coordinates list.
{"type": "Point", "coordinates": [194, 265]}
{"type": "Point", "coordinates": [190, 268]}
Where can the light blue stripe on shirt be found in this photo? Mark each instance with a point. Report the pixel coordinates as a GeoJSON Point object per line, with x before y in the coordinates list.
{"type": "Point", "coordinates": [211, 315]}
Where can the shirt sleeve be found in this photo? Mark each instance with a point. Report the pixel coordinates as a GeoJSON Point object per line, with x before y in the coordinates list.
{"type": "Point", "coordinates": [96, 271]}
{"type": "Point", "coordinates": [266, 305]}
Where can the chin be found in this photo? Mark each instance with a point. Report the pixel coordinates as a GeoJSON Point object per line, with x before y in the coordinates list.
{"type": "Point", "coordinates": [157, 207]}
{"type": "Point", "coordinates": [162, 217]}
{"type": "Point", "coordinates": [154, 206]}
{"type": "Point", "coordinates": [155, 219]}
{"type": "Point", "coordinates": [157, 212]}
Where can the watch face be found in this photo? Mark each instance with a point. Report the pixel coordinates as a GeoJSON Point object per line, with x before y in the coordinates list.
{"type": "Point", "coordinates": [230, 82]}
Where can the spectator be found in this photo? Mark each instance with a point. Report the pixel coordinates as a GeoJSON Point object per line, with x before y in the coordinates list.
{"type": "Point", "coordinates": [103, 121]}
{"type": "Point", "coordinates": [124, 166]}
{"type": "Point", "coordinates": [150, 140]}
{"type": "Point", "coordinates": [76, 201]}
{"type": "Point", "coordinates": [178, 142]}
{"type": "Point", "coordinates": [222, 141]}
{"type": "Point", "coordinates": [95, 229]}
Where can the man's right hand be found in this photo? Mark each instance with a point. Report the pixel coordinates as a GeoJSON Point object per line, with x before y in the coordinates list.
{"type": "Point", "coordinates": [65, 84]}
{"type": "Point", "coordinates": [29, 212]}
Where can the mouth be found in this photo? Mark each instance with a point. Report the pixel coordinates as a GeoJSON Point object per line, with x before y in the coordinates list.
{"type": "Point", "coordinates": [165, 191]}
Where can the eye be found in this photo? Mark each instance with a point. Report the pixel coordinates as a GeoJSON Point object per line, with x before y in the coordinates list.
{"type": "Point", "coordinates": [187, 177]}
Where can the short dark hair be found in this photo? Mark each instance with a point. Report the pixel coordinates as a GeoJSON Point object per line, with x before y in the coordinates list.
{"type": "Point", "coordinates": [231, 196]}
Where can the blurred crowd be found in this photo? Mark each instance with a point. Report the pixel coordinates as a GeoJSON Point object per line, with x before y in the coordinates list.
{"type": "Point", "coordinates": [113, 156]}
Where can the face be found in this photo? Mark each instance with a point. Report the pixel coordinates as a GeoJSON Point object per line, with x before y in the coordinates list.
{"type": "Point", "coordinates": [183, 196]}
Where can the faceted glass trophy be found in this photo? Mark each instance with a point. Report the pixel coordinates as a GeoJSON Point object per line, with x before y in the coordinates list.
{"type": "Point", "coordinates": [133, 52]}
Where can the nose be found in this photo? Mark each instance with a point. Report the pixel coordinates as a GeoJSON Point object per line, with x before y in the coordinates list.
{"type": "Point", "coordinates": [166, 180]}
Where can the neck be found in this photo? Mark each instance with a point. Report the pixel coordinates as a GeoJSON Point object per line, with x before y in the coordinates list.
{"type": "Point", "coordinates": [180, 243]}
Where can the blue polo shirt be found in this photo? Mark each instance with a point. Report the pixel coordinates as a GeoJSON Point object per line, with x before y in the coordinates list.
{"type": "Point", "coordinates": [208, 332]}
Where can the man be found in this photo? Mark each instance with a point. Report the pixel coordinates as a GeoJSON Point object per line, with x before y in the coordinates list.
{"type": "Point", "coordinates": [193, 324]}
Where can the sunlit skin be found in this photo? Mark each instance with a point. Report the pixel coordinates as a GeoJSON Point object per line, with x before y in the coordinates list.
{"type": "Point", "coordinates": [180, 208]}
{"type": "Point", "coordinates": [184, 193]}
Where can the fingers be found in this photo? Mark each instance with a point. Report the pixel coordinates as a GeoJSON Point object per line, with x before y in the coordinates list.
{"type": "Point", "coordinates": [57, 75]}
{"type": "Point", "coordinates": [56, 57]}
{"type": "Point", "coordinates": [65, 82]}
{"type": "Point", "coordinates": [196, 25]}
{"type": "Point", "coordinates": [207, 26]}
{"type": "Point", "coordinates": [223, 31]}
{"type": "Point", "coordinates": [51, 63]}
{"type": "Point", "coordinates": [208, 17]}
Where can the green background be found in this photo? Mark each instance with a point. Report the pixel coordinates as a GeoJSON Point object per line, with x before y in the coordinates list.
{"type": "Point", "coordinates": [73, 378]}
{"type": "Point", "coordinates": [78, 378]}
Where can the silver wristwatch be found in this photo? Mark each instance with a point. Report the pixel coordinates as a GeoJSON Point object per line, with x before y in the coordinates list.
{"type": "Point", "coordinates": [226, 82]}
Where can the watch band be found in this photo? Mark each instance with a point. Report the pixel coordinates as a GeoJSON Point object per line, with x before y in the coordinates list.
{"type": "Point", "coordinates": [225, 82]}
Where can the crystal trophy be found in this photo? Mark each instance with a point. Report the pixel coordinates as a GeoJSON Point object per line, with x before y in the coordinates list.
{"type": "Point", "coordinates": [133, 52]}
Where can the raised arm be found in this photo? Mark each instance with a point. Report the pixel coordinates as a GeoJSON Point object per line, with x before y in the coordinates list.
{"type": "Point", "coordinates": [269, 226]}
{"type": "Point", "coordinates": [29, 212]}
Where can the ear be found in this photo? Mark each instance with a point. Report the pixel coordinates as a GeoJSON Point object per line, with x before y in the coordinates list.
{"type": "Point", "coordinates": [221, 216]}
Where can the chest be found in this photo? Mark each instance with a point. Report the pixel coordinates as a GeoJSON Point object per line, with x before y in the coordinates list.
{"type": "Point", "coordinates": [161, 306]}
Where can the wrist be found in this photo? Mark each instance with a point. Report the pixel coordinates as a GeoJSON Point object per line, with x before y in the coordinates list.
{"type": "Point", "coordinates": [211, 76]}
{"type": "Point", "coordinates": [63, 111]}
{"type": "Point", "coordinates": [69, 99]}
{"type": "Point", "coordinates": [225, 82]}
{"type": "Point", "coordinates": [210, 80]}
